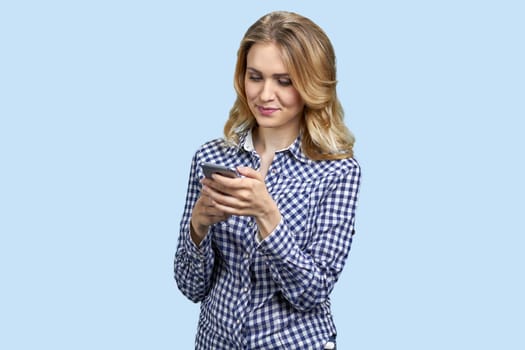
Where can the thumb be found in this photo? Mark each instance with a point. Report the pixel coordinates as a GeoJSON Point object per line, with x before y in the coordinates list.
{"type": "Point", "coordinates": [249, 172]}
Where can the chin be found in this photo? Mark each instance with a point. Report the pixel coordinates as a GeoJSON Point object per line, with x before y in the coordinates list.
{"type": "Point", "coordinates": [265, 123]}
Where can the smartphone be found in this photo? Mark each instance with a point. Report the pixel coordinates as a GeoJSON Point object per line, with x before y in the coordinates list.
{"type": "Point", "coordinates": [210, 168]}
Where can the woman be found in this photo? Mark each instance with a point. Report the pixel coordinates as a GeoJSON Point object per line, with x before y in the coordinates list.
{"type": "Point", "coordinates": [262, 252]}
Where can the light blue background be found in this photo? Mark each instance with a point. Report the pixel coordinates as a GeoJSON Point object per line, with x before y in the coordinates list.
{"type": "Point", "coordinates": [102, 104]}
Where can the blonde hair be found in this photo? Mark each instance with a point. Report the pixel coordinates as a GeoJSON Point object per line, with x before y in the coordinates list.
{"type": "Point", "coordinates": [310, 59]}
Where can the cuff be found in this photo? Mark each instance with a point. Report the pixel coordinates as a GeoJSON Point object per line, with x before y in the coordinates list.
{"type": "Point", "coordinates": [277, 244]}
{"type": "Point", "coordinates": [197, 252]}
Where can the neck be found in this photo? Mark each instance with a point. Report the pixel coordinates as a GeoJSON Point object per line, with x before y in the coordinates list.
{"type": "Point", "coordinates": [268, 140]}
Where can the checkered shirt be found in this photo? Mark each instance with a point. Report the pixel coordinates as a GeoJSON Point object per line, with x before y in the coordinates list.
{"type": "Point", "coordinates": [275, 293]}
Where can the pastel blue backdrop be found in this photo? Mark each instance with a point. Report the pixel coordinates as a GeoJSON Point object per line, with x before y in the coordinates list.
{"type": "Point", "coordinates": [102, 104]}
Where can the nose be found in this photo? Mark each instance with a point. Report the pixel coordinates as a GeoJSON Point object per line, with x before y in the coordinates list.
{"type": "Point", "coordinates": [268, 91]}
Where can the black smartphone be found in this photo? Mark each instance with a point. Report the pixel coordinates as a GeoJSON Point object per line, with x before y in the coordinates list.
{"type": "Point", "coordinates": [210, 168]}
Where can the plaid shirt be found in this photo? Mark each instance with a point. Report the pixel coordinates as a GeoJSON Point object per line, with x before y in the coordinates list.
{"type": "Point", "coordinates": [270, 294]}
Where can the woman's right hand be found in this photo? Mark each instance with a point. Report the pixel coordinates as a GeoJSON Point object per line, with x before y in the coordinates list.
{"type": "Point", "coordinates": [204, 215]}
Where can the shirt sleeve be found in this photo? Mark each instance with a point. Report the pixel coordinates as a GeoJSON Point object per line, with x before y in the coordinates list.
{"type": "Point", "coordinates": [193, 264]}
{"type": "Point", "coordinates": [307, 276]}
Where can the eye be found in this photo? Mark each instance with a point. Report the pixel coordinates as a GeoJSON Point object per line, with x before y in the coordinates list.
{"type": "Point", "coordinates": [254, 77]}
{"type": "Point", "coordinates": [284, 81]}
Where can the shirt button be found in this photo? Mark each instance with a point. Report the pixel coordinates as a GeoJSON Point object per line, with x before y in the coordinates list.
{"type": "Point", "coordinates": [246, 256]}
{"type": "Point", "coordinates": [250, 223]}
{"type": "Point", "coordinates": [238, 321]}
{"type": "Point", "coordinates": [245, 290]}
{"type": "Point", "coordinates": [274, 171]}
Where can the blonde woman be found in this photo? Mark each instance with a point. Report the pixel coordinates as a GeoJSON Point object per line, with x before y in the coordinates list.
{"type": "Point", "coordinates": [261, 251]}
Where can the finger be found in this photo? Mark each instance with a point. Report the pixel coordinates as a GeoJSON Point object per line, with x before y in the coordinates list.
{"type": "Point", "coordinates": [221, 201]}
{"type": "Point", "coordinates": [212, 197]}
{"type": "Point", "coordinates": [250, 173]}
{"type": "Point", "coordinates": [210, 220]}
{"type": "Point", "coordinates": [205, 199]}
{"type": "Point", "coordinates": [229, 210]}
{"type": "Point", "coordinates": [209, 192]}
{"type": "Point", "coordinates": [221, 184]}
{"type": "Point", "coordinates": [212, 212]}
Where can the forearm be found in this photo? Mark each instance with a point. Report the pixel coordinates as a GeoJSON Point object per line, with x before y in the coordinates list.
{"type": "Point", "coordinates": [268, 220]}
{"type": "Point", "coordinates": [306, 278]}
{"type": "Point", "coordinates": [197, 236]}
{"type": "Point", "coordinates": [193, 266]}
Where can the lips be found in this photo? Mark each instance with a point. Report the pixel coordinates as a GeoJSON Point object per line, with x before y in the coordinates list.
{"type": "Point", "coordinates": [267, 110]}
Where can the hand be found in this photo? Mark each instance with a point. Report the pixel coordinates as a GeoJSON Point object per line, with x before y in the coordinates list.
{"type": "Point", "coordinates": [204, 215]}
{"type": "Point", "coordinates": [246, 196]}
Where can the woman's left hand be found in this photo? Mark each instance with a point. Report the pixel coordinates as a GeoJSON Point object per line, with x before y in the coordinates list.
{"type": "Point", "coordinates": [245, 196]}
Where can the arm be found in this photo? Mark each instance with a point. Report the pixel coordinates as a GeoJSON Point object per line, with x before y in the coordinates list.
{"type": "Point", "coordinates": [193, 264]}
{"type": "Point", "coordinates": [307, 277]}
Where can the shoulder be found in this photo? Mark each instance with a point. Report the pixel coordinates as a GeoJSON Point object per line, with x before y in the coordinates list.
{"type": "Point", "coordinates": [215, 151]}
{"type": "Point", "coordinates": [319, 170]}
{"type": "Point", "coordinates": [212, 144]}
{"type": "Point", "coordinates": [344, 170]}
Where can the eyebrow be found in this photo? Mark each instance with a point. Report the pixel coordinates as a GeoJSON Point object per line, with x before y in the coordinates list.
{"type": "Point", "coordinates": [276, 75]}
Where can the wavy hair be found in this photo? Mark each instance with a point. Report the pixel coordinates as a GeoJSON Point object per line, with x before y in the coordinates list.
{"type": "Point", "coordinates": [308, 55]}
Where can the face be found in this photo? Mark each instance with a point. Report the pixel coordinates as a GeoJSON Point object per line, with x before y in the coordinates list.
{"type": "Point", "coordinates": [273, 100]}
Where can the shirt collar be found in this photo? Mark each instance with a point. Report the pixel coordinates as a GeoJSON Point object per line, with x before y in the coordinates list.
{"type": "Point", "coordinates": [246, 144]}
